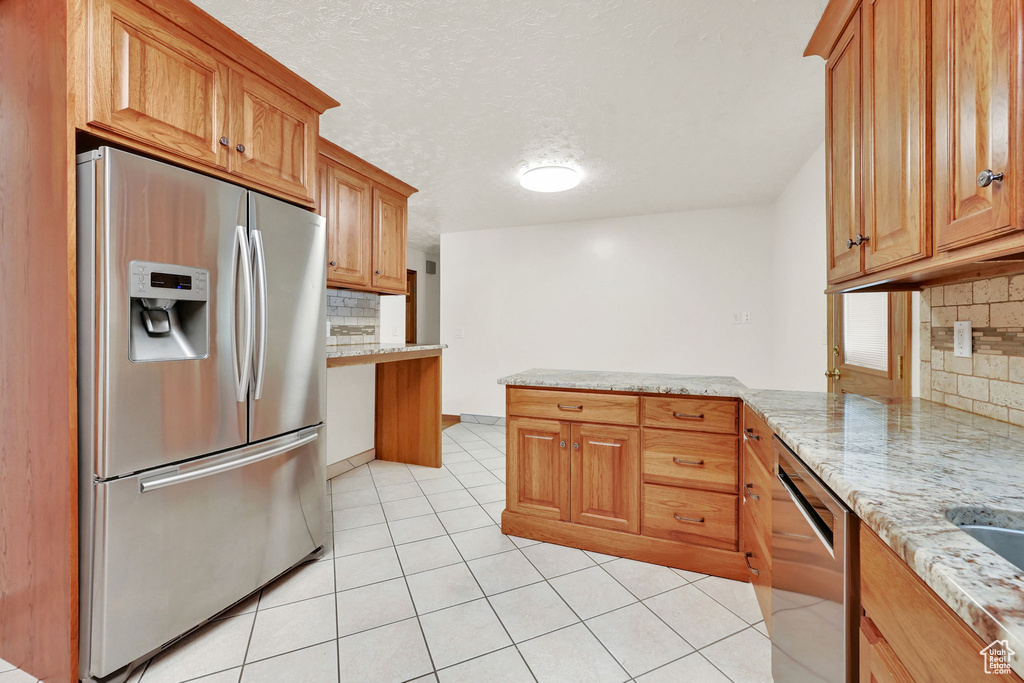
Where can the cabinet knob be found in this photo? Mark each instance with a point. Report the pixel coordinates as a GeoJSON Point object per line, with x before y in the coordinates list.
{"type": "Point", "coordinates": [378, 272]}
{"type": "Point", "coordinates": [857, 241]}
{"type": "Point", "coordinates": [987, 177]}
{"type": "Point", "coordinates": [850, 244]}
{"type": "Point", "coordinates": [240, 147]}
{"type": "Point", "coordinates": [223, 141]}
{"type": "Point", "coordinates": [334, 263]}
{"type": "Point", "coordinates": [561, 444]}
{"type": "Point", "coordinates": [575, 445]}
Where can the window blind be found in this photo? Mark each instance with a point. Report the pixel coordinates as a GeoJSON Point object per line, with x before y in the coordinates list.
{"type": "Point", "coordinates": [866, 330]}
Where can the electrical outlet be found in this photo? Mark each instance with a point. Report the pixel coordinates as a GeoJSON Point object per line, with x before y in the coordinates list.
{"type": "Point", "coordinates": [459, 333]}
{"type": "Point", "coordinates": [963, 338]}
{"type": "Point", "coordinates": [746, 317]}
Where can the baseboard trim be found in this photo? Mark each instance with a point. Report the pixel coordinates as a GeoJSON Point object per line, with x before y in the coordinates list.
{"type": "Point", "coordinates": [350, 463]}
{"type": "Point", "coordinates": [728, 564]}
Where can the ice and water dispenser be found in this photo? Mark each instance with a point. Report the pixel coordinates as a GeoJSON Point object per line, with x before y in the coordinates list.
{"type": "Point", "coordinates": [170, 312]}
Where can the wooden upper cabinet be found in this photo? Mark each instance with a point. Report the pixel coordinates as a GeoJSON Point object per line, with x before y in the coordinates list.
{"type": "Point", "coordinates": [538, 473]}
{"type": "Point", "coordinates": [345, 203]}
{"type": "Point", "coordinates": [152, 81]}
{"type": "Point", "coordinates": [896, 143]}
{"type": "Point", "coordinates": [606, 477]}
{"type": "Point", "coordinates": [977, 120]}
{"type": "Point", "coordinates": [274, 136]}
{"type": "Point", "coordinates": [843, 144]}
{"type": "Point", "coordinates": [389, 236]}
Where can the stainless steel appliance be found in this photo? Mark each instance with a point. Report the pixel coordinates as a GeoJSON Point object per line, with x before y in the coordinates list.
{"type": "Point", "coordinates": [201, 370]}
{"type": "Point", "coordinates": [815, 598]}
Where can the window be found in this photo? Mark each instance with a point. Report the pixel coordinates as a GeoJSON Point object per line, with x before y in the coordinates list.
{"type": "Point", "coordinates": [866, 330]}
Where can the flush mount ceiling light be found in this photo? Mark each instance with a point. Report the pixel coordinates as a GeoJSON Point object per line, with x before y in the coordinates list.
{"type": "Point", "coordinates": [550, 179]}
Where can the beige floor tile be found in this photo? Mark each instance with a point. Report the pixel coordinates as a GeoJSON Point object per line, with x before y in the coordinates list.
{"type": "Point", "coordinates": [592, 591]}
{"type": "Point", "coordinates": [696, 617]}
{"type": "Point", "coordinates": [463, 632]}
{"type": "Point", "coordinates": [464, 519]}
{"type": "Point", "coordinates": [431, 553]}
{"type": "Point", "coordinates": [416, 529]}
{"type": "Point", "coordinates": [504, 571]}
{"type": "Point", "coordinates": [292, 626]}
{"type": "Point", "coordinates": [361, 539]}
{"type": "Point", "coordinates": [440, 485]}
{"type": "Point", "coordinates": [643, 579]}
{"type": "Point", "coordinates": [554, 560]}
{"type": "Point", "coordinates": [532, 610]}
{"type": "Point", "coordinates": [737, 596]}
{"type": "Point", "coordinates": [388, 654]}
{"type": "Point", "coordinates": [503, 666]}
{"type": "Point", "coordinates": [451, 500]}
{"type": "Point", "coordinates": [480, 542]}
{"type": "Point", "coordinates": [395, 510]}
{"type": "Point", "coordinates": [351, 518]}
{"type": "Point", "coordinates": [215, 647]}
{"type": "Point", "coordinates": [443, 587]}
{"type": "Point", "coordinates": [360, 609]}
{"type": "Point", "coordinates": [353, 571]}
{"type": "Point", "coordinates": [399, 492]}
{"type": "Point", "coordinates": [745, 657]}
{"type": "Point", "coordinates": [571, 654]}
{"type": "Point", "coordinates": [317, 664]}
{"type": "Point", "coordinates": [638, 639]}
{"type": "Point", "coordinates": [308, 581]}
{"type": "Point", "coordinates": [355, 499]}
{"type": "Point", "coordinates": [691, 669]}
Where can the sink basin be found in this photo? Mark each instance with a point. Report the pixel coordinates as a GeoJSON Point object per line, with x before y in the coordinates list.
{"type": "Point", "coordinates": [1001, 530]}
{"type": "Point", "coordinates": [1006, 542]}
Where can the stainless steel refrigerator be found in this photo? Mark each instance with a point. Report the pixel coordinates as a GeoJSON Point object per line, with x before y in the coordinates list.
{"type": "Point", "coordinates": [201, 369]}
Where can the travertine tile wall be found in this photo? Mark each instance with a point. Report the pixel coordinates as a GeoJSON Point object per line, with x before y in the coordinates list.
{"type": "Point", "coordinates": [991, 382]}
{"type": "Point", "coordinates": [354, 317]}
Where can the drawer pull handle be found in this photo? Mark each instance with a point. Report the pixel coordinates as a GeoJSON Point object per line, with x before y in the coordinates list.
{"type": "Point", "coordinates": [602, 443]}
{"type": "Point", "coordinates": [695, 463]}
{"type": "Point", "coordinates": [542, 438]}
{"type": "Point", "coordinates": [570, 407]}
{"type": "Point", "coordinates": [747, 492]}
{"type": "Point", "coordinates": [694, 520]}
{"type": "Point", "coordinates": [755, 572]}
{"type": "Point", "coordinates": [686, 416]}
{"type": "Point", "coordinates": [748, 433]}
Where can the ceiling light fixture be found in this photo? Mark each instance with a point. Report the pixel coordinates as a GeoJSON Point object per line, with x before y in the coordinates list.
{"type": "Point", "coordinates": [550, 179]}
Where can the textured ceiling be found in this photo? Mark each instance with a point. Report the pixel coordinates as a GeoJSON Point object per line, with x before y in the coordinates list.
{"type": "Point", "coordinates": [665, 105]}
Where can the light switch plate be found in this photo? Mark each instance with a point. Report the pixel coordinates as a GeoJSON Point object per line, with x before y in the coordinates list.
{"type": "Point", "coordinates": [459, 333]}
{"type": "Point", "coordinates": [962, 338]}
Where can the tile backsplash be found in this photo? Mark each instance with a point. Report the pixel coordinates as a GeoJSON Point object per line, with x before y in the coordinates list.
{"type": "Point", "coordinates": [991, 381]}
{"type": "Point", "coordinates": [354, 317]}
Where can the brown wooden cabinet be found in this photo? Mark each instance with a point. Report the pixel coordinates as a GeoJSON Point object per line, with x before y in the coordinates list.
{"type": "Point", "coordinates": [538, 481]}
{"type": "Point", "coordinates": [156, 74]}
{"type": "Point", "coordinates": [923, 137]}
{"type": "Point", "coordinates": [389, 237]}
{"type": "Point", "coordinates": [977, 119]}
{"type": "Point", "coordinates": [273, 136]}
{"type": "Point", "coordinates": [365, 209]}
{"type": "Point", "coordinates": [653, 478]}
{"type": "Point", "coordinates": [758, 464]}
{"type": "Point", "coordinates": [606, 477]}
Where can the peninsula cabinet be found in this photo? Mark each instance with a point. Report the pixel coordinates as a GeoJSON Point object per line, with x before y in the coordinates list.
{"type": "Point", "coordinates": [652, 478]}
{"type": "Point", "coordinates": [366, 212]}
{"type": "Point", "coordinates": [157, 76]}
{"type": "Point", "coordinates": [923, 131]}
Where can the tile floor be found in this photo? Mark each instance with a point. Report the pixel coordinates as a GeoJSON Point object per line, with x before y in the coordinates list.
{"type": "Point", "coordinates": [420, 584]}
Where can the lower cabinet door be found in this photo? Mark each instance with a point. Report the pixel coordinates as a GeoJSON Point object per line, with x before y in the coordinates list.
{"type": "Point", "coordinates": [606, 477]}
{"type": "Point", "coordinates": [538, 467]}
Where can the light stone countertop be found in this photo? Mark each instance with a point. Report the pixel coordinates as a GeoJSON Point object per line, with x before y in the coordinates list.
{"type": "Point", "coordinates": [349, 350]}
{"type": "Point", "coordinates": [900, 465]}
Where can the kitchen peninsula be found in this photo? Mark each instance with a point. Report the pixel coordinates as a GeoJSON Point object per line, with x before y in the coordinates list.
{"type": "Point", "coordinates": [930, 593]}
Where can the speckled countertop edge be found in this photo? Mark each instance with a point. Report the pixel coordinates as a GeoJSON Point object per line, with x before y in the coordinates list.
{"type": "Point", "coordinates": [350, 350]}
{"type": "Point", "coordinates": [899, 465]}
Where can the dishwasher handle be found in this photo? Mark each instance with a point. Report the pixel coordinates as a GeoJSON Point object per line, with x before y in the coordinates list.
{"type": "Point", "coordinates": [810, 516]}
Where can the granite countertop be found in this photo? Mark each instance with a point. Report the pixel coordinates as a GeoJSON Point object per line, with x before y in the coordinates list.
{"type": "Point", "coordinates": [900, 465]}
{"type": "Point", "coordinates": [703, 385]}
{"type": "Point", "coordinates": [349, 350]}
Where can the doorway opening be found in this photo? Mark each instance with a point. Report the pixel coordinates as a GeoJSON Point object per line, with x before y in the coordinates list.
{"type": "Point", "coordinates": [410, 307]}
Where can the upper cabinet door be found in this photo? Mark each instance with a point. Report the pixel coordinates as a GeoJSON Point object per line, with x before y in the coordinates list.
{"type": "Point", "coordinates": [896, 193]}
{"type": "Point", "coordinates": [976, 119]}
{"type": "Point", "coordinates": [346, 205]}
{"type": "Point", "coordinates": [389, 217]}
{"type": "Point", "coordinates": [273, 139]}
{"type": "Point", "coordinates": [156, 83]}
{"type": "Point", "coordinates": [606, 477]}
{"type": "Point", "coordinates": [843, 144]}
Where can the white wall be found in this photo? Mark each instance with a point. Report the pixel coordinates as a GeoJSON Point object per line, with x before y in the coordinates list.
{"type": "Point", "coordinates": [349, 411]}
{"type": "Point", "coordinates": [392, 319]}
{"type": "Point", "coordinates": [428, 298]}
{"type": "Point", "coordinates": [799, 340]}
{"type": "Point", "coordinates": [642, 294]}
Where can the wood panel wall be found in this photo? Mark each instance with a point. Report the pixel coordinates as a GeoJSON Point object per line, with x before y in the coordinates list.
{"type": "Point", "coordinates": [38, 444]}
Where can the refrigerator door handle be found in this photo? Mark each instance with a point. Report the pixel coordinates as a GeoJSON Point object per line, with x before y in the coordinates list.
{"type": "Point", "coordinates": [260, 262]}
{"type": "Point", "coordinates": [177, 477]}
{"type": "Point", "coordinates": [243, 364]}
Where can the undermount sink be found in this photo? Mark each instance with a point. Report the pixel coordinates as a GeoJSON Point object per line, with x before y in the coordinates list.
{"type": "Point", "coordinates": [987, 527]}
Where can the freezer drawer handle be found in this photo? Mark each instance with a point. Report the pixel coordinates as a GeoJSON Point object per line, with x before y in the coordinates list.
{"type": "Point", "coordinates": [164, 481]}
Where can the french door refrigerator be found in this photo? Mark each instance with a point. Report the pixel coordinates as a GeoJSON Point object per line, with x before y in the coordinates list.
{"type": "Point", "coordinates": [201, 372]}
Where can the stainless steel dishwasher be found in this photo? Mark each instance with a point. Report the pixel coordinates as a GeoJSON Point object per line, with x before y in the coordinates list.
{"type": "Point", "coordinates": [815, 594]}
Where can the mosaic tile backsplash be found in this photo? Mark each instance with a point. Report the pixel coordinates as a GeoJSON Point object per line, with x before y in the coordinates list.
{"type": "Point", "coordinates": [354, 317]}
{"type": "Point", "coordinates": [991, 382]}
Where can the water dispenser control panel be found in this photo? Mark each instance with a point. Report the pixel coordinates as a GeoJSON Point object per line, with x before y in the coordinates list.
{"type": "Point", "coordinates": [166, 281]}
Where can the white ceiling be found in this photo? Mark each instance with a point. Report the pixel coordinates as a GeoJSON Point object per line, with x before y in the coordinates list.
{"type": "Point", "coordinates": [666, 105]}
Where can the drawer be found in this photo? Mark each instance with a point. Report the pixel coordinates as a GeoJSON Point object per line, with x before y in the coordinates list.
{"type": "Point", "coordinates": [758, 437]}
{"type": "Point", "coordinates": [693, 414]}
{"type": "Point", "coordinates": [690, 516]}
{"type": "Point", "coordinates": [697, 460]}
{"type": "Point", "coordinates": [756, 498]}
{"type": "Point", "coordinates": [759, 570]}
{"type": "Point", "coordinates": [574, 405]}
